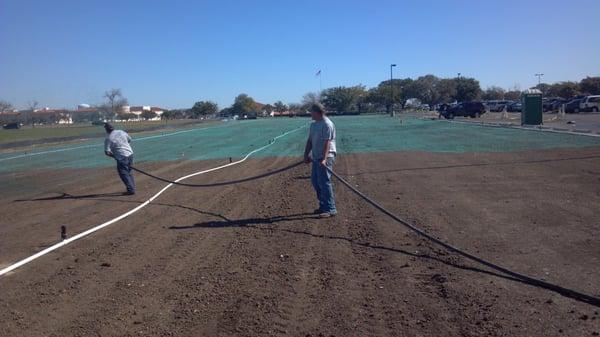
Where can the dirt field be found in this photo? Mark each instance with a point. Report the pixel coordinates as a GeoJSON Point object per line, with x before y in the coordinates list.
{"type": "Point", "coordinates": [249, 259]}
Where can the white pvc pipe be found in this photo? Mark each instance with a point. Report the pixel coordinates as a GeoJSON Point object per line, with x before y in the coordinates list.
{"type": "Point", "coordinates": [144, 204]}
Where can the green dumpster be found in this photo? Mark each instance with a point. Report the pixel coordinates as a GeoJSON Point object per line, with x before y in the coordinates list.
{"type": "Point", "coordinates": [531, 113]}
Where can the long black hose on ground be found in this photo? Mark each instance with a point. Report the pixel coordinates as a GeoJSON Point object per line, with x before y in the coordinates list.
{"type": "Point", "coordinates": [231, 182]}
{"type": "Point", "coordinates": [595, 301]}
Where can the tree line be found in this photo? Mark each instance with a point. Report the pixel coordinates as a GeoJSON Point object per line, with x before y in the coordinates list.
{"type": "Point", "coordinates": [428, 89]}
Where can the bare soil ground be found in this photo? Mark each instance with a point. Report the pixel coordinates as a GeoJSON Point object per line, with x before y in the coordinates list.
{"type": "Point", "coordinates": [249, 259]}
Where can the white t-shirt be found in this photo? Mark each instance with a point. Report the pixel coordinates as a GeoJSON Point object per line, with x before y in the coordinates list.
{"type": "Point", "coordinates": [117, 142]}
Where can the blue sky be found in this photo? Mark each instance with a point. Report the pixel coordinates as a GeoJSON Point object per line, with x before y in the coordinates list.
{"type": "Point", "coordinates": [173, 53]}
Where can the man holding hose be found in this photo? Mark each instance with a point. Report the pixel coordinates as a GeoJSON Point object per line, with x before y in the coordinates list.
{"type": "Point", "coordinates": [117, 145]}
{"type": "Point", "coordinates": [321, 142]}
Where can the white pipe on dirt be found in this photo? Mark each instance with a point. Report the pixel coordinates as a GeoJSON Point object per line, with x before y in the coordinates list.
{"type": "Point", "coordinates": [144, 204]}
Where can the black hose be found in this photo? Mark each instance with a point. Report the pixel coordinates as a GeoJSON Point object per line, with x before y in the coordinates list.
{"type": "Point", "coordinates": [595, 301]}
{"type": "Point", "coordinates": [231, 182]}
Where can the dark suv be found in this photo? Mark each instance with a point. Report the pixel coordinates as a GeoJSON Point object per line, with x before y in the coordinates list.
{"type": "Point", "coordinates": [466, 109]}
{"type": "Point", "coordinates": [11, 126]}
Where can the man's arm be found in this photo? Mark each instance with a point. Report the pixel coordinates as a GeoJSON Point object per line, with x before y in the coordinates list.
{"type": "Point", "coordinates": [325, 152]}
{"type": "Point", "coordinates": [107, 150]}
{"type": "Point", "coordinates": [307, 149]}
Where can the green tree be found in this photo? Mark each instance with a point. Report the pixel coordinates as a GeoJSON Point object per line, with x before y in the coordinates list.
{"type": "Point", "coordinates": [512, 95]}
{"type": "Point", "coordinates": [424, 88]}
{"type": "Point", "coordinates": [402, 90]}
{"type": "Point", "coordinates": [564, 89]}
{"type": "Point", "coordinates": [376, 99]}
{"type": "Point", "coordinates": [544, 88]}
{"type": "Point", "coordinates": [127, 116]}
{"type": "Point", "coordinates": [344, 99]}
{"type": "Point", "coordinates": [493, 93]}
{"type": "Point", "coordinates": [204, 108]}
{"type": "Point", "coordinates": [148, 114]}
{"type": "Point", "coordinates": [268, 109]}
{"type": "Point", "coordinates": [310, 98]}
{"type": "Point", "coordinates": [590, 86]}
{"type": "Point", "coordinates": [244, 104]}
{"type": "Point", "coordinates": [467, 89]}
{"type": "Point", "coordinates": [280, 107]}
{"type": "Point", "coordinates": [167, 114]}
{"type": "Point", "coordinates": [446, 90]}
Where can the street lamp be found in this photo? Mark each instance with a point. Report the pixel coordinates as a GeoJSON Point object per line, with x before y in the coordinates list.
{"type": "Point", "coordinates": [392, 90]}
{"type": "Point", "coordinates": [539, 76]}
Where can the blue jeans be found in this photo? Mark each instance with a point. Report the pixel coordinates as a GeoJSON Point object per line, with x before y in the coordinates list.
{"type": "Point", "coordinates": [321, 181]}
{"type": "Point", "coordinates": [124, 169]}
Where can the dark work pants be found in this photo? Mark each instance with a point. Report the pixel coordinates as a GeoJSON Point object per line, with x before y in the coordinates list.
{"type": "Point", "coordinates": [124, 169]}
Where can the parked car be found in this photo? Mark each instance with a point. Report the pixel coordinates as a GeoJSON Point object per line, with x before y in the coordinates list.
{"type": "Point", "coordinates": [496, 106]}
{"type": "Point", "coordinates": [466, 109]}
{"type": "Point", "coordinates": [558, 103]}
{"type": "Point", "coordinates": [514, 107]}
{"type": "Point", "coordinates": [550, 104]}
{"type": "Point", "coordinates": [590, 103]}
{"type": "Point", "coordinates": [12, 126]}
{"type": "Point", "coordinates": [573, 106]}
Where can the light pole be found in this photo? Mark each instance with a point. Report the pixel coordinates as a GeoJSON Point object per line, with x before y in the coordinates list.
{"type": "Point", "coordinates": [539, 76]}
{"type": "Point", "coordinates": [392, 89]}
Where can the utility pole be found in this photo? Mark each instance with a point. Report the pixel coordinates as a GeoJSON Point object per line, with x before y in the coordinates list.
{"type": "Point", "coordinates": [392, 90]}
{"type": "Point", "coordinates": [539, 76]}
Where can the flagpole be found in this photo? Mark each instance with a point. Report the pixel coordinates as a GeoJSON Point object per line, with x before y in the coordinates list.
{"type": "Point", "coordinates": [320, 83]}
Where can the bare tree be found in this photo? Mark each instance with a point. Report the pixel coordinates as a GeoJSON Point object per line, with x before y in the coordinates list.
{"type": "Point", "coordinates": [31, 107]}
{"type": "Point", "coordinates": [114, 103]}
{"type": "Point", "coordinates": [5, 106]}
{"type": "Point", "coordinates": [310, 98]}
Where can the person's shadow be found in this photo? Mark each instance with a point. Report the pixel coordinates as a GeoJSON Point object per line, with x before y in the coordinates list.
{"type": "Point", "coordinates": [248, 222]}
{"type": "Point", "coordinates": [67, 196]}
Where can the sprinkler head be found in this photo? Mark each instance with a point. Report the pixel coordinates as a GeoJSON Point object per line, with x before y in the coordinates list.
{"type": "Point", "coordinates": [63, 232]}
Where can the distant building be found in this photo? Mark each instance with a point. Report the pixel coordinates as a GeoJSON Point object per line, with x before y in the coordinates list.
{"type": "Point", "coordinates": [138, 110]}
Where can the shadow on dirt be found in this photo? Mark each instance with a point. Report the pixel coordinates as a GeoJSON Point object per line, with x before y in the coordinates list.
{"type": "Point", "coordinates": [67, 196]}
{"type": "Point", "coordinates": [249, 222]}
{"type": "Point", "coordinates": [253, 223]}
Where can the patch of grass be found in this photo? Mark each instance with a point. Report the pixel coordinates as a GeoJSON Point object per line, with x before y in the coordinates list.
{"type": "Point", "coordinates": [57, 132]}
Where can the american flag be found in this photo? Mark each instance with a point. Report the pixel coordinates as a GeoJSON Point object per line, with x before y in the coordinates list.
{"type": "Point", "coordinates": [318, 73]}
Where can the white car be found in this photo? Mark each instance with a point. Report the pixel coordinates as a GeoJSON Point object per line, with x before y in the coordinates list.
{"type": "Point", "coordinates": [590, 103]}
